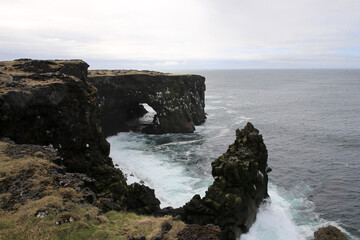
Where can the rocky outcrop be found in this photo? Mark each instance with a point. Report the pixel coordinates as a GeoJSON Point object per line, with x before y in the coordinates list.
{"type": "Point", "coordinates": [177, 99]}
{"type": "Point", "coordinates": [28, 173]}
{"type": "Point", "coordinates": [329, 233]}
{"type": "Point", "coordinates": [240, 185]}
{"type": "Point", "coordinates": [51, 103]}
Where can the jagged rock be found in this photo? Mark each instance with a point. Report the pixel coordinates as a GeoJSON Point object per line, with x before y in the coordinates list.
{"type": "Point", "coordinates": [177, 99]}
{"type": "Point", "coordinates": [240, 185]}
{"type": "Point", "coordinates": [107, 204]}
{"type": "Point", "coordinates": [142, 199]}
{"type": "Point", "coordinates": [196, 232]}
{"type": "Point", "coordinates": [51, 103]}
{"type": "Point", "coordinates": [329, 233]}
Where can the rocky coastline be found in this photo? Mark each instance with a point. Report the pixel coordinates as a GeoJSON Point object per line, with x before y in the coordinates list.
{"type": "Point", "coordinates": [56, 173]}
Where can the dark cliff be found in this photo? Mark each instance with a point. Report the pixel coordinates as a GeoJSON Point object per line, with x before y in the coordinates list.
{"type": "Point", "coordinates": [177, 99]}
{"type": "Point", "coordinates": [51, 103]}
{"type": "Point", "coordinates": [240, 186]}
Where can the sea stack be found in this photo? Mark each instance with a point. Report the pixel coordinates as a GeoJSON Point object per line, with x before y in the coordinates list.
{"type": "Point", "coordinates": [240, 186]}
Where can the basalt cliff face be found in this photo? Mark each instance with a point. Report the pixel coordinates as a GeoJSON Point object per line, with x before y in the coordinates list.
{"type": "Point", "coordinates": [240, 186]}
{"type": "Point", "coordinates": [177, 99]}
{"type": "Point", "coordinates": [51, 103]}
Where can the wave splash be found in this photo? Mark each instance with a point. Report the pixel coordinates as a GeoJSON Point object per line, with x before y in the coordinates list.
{"type": "Point", "coordinates": [151, 159]}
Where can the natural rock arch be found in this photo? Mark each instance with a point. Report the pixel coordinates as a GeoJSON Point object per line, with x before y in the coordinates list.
{"type": "Point", "coordinates": [178, 100]}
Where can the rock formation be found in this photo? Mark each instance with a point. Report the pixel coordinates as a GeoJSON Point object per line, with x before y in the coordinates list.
{"type": "Point", "coordinates": [51, 103]}
{"type": "Point", "coordinates": [329, 233]}
{"type": "Point", "coordinates": [177, 99]}
{"type": "Point", "coordinates": [240, 185]}
{"type": "Point", "coordinates": [28, 173]}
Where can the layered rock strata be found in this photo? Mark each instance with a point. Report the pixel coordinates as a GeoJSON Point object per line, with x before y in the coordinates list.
{"type": "Point", "coordinates": [240, 186]}
{"type": "Point", "coordinates": [178, 100]}
{"type": "Point", "coordinates": [51, 103]}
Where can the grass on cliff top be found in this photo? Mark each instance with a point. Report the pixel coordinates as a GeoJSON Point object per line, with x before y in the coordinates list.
{"type": "Point", "coordinates": [38, 218]}
{"type": "Point", "coordinates": [103, 72]}
{"type": "Point", "coordinates": [87, 224]}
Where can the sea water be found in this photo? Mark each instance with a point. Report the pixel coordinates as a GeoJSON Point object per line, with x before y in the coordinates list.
{"type": "Point", "coordinates": [310, 122]}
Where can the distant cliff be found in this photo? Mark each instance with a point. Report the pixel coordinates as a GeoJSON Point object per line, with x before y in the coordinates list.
{"type": "Point", "coordinates": [178, 100]}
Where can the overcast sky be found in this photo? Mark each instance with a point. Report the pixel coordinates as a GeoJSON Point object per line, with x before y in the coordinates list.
{"type": "Point", "coordinates": [183, 34]}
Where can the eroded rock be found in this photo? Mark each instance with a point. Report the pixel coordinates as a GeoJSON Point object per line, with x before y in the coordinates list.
{"type": "Point", "coordinates": [178, 100]}
{"type": "Point", "coordinates": [240, 186]}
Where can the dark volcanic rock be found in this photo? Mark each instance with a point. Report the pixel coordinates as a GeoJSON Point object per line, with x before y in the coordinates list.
{"type": "Point", "coordinates": [240, 185]}
{"type": "Point", "coordinates": [51, 103]}
{"type": "Point", "coordinates": [177, 99]}
{"type": "Point", "coordinates": [329, 233]}
{"type": "Point", "coordinates": [142, 199]}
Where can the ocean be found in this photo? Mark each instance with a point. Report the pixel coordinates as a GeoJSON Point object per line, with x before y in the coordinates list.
{"type": "Point", "coordinates": [310, 122]}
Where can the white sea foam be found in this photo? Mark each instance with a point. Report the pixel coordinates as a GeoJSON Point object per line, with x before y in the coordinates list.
{"type": "Point", "coordinates": [172, 184]}
{"type": "Point", "coordinates": [175, 143]}
{"type": "Point", "coordinates": [274, 221]}
{"type": "Point", "coordinates": [240, 120]}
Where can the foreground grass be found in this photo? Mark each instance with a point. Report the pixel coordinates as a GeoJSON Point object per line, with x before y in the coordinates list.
{"type": "Point", "coordinates": [112, 225]}
{"type": "Point", "coordinates": [57, 214]}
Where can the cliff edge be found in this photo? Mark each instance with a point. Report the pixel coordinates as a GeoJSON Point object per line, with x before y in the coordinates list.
{"type": "Point", "coordinates": [51, 103]}
{"type": "Point", "coordinates": [178, 100]}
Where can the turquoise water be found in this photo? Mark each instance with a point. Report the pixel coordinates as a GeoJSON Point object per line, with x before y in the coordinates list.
{"type": "Point", "coordinates": [310, 121]}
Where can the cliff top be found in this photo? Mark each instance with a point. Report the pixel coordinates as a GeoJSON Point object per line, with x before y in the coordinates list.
{"type": "Point", "coordinates": [24, 74]}
{"type": "Point", "coordinates": [103, 72]}
{"type": "Point", "coordinates": [26, 66]}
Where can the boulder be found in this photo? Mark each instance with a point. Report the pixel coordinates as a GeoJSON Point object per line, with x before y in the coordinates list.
{"type": "Point", "coordinates": [329, 233]}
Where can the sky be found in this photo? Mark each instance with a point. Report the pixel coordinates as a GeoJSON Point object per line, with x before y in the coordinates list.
{"type": "Point", "coordinates": [184, 34]}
